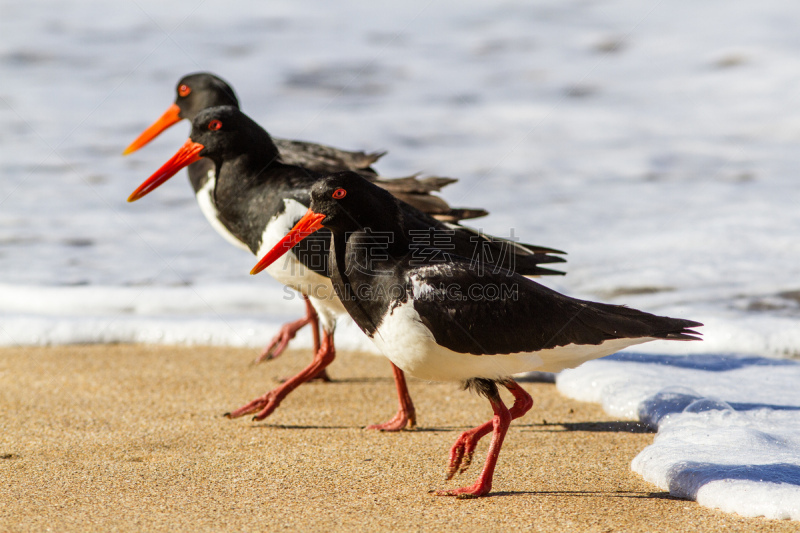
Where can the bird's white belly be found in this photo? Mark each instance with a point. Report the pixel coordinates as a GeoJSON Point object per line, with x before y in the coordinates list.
{"type": "Point", "coordinates": [405, 340]}
{"type": "Point", "coordinates": [292, 273]}
{"type": "Point", "coordinates": [205, 199]}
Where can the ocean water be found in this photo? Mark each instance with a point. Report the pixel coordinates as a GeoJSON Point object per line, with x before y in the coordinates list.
{"type": "Point", "coordinates": [656, 147]}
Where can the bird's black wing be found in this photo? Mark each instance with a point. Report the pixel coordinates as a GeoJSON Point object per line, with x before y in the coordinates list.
{"type": "Point", "coordinates": [323, 158]}
{"type": "Point", "coordinates": [479, 312]}
{"type": "Point", "coordinates": [480, 248]}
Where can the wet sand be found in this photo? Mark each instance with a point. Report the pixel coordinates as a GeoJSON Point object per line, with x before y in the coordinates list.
{"type": "Point", "coordinates": [131, 438]}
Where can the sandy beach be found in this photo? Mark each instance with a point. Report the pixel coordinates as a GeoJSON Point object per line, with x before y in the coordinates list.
{"type": "Point", "coordinates": [132, 438]}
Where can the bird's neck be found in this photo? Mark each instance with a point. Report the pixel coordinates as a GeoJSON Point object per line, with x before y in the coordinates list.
{"type": "Point", "coordinates": [247, 195]}
{"type": "Point", "coordinates": [198, 173]}
{"type": "Point", "coordinates": [364, 272]}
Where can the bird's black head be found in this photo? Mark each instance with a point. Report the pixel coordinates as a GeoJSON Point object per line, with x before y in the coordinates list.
{"type": "Point", "coordinates": [201, 90]}
{"type": "Point", "coordinates": [225, 133]}
{"type": "Point", "coordinates": [219, 133]}
{"type": "Point", "coordinates": [194, 93]}
{"type": "Point", "coordinates": [343, 203]}
{"type": "Point", "coordinates": [351, 203]}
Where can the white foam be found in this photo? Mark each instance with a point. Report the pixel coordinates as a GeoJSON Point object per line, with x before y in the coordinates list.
{"type": "Point", "coordinates": [224, 315]}
{"type": "Point", "coordinates": [728, 426]}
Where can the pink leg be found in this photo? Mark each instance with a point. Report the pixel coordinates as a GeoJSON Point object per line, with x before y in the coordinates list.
{"type": "Point", "coordinates": [462, 450]}
{"type": "Point", "coordinates": [406, 415]}
{"type": "Point", "coordinates": [288, 331]}
{"type": "Point", "coordinates": [322, 375]}
{"type": "Point", "coordinates": [464, 447]}
{"type": "Point", "coordinates": [266, 404]}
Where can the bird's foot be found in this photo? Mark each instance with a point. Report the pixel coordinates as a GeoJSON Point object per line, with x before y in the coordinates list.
{"type": "Point", "coordinates": [461, 453]}
{"type": "Point", "coordinates": [280, 341]}
{"type": "Point", "coordinates": [480, 488]}
{"type": "Point", "coordinates": [399, 422]}
{"type": "Point", "coordinates": [262, 406]}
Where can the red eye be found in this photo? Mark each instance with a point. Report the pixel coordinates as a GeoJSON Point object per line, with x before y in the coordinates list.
{"type": "Point", "coordinates": [214, 125]}
{"type": "Point", "coordinates": [338, 194]}
{"type": "Point", "coordinates": [184, 90]}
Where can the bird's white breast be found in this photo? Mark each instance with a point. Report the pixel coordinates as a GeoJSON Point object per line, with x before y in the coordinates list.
{"type": "Point", "coordinates": [287, 270]}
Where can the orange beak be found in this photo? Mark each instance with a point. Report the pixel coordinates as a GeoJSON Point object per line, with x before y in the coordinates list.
{"type": "Point", "coordinates": [188, 154]}
{"type": "Point", "coordinates": [170, 117]}
{"type": "Point", "coordinates": [307, 225]}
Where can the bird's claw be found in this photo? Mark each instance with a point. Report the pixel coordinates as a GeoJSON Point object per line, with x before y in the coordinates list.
{"type": "Point", "coordinates": [398, 422]}
{"type": "Point", "coordinates": [276, 346]}
{"type": "Point", "coordinates": [461, 455]}
{"type": "Point", "coordinates": [465, 493]}
{"type": "Point", "coordinates": [262, 406]}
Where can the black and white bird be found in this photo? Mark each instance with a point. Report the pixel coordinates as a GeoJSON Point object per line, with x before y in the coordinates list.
{"type": "Point", "coordinates": [448, 318]}
{"type": "Point", "coordinates": [199, 91]}
{"type": "Point", "coordinates": [260, 199]}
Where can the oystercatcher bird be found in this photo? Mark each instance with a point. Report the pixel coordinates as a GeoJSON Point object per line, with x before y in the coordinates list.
{"type": "Point", "coordinates": [259, 199]}
{"type": "Point", "coordinates": [198, 91]}
{"type": "Point", "coordinates": [449, 319]}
